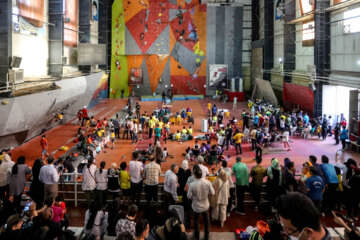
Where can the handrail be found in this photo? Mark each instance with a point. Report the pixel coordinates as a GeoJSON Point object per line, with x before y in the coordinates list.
{"type": "Point", "coordinates": [75, 182]}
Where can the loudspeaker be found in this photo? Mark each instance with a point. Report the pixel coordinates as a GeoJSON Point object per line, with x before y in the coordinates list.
{"type": "Point", "coordinates": [312, 86]}
{"type": "Point", "coordinates": [15, 62]}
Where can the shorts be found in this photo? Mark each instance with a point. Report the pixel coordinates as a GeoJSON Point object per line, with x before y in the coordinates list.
{"type": "Point", "coordinates": [113, 140]}
{"type": "Point", "coordinates": [126, 192]}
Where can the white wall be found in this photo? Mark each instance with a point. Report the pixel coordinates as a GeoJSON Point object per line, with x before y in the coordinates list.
{"type": "Point", "coordinates": [304, 55]}
{"type": "Point", "coordinates": [34, 50]}
{"type": "Point", "coordinates": [345, 47]}
{"type": "Point", "coordinates": [336, 101]}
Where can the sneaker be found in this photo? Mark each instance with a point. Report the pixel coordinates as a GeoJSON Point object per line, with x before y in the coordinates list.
{"type": "Point", "coordinates": [228, 214]}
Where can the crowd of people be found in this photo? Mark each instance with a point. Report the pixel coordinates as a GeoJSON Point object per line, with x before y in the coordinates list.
{"type": "Point", "coordinates": [213, 194]}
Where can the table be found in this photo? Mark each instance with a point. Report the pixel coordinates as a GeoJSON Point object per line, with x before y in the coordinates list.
{"type": "Point", "coordinates": [240, 95]}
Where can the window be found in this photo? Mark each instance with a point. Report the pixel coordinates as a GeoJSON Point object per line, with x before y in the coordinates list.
{"type": "Point", "coordinates": [32, 11]}
{"type": "Point", "coordinates": [71, 23]}
{"type": "Point", "coordinates": [308, 34]}
{"type": "Point", "coordinates": [307, 6]}
{"type": "Point", "coordinates": [351, 21]}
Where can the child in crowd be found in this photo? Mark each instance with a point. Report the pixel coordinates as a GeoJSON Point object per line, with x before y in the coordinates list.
{"type": "Point", "coordinates": [150, 149]}
{"type": "Point", "coordinates": [59, 202]}
{"type": "Point", "coordinates": [164, 155]}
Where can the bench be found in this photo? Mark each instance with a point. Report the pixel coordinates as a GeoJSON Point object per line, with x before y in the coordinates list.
{"type": "Point", "coordinates": [354, 144]}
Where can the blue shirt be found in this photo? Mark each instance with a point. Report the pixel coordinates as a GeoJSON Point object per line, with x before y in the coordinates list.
{"type": "Point", "coordinates": [315, 185]}
{"type": "Point", "coordinates": [306, 118]}
{"type": "Point", "coordinates": [329, 173]}
{"type": "Point", "coordinates": [343, 134]}
{"type": "Point", "coordinates": [256, 119]}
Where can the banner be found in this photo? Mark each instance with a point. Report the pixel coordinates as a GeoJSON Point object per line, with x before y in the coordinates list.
{"type": "Point", "coordinates": [95, 10]}
{"type": "Point", "coordinates": [218, 76]}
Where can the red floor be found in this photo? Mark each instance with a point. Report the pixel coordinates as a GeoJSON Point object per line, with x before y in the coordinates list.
{"type": "Point", "coordinates": [64, 135]}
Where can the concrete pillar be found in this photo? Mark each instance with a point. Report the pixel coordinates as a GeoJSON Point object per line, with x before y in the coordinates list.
{"type": "Point", "coordinates": [5, 39]}
{"type": "Point", "coordinates": [321, 50]}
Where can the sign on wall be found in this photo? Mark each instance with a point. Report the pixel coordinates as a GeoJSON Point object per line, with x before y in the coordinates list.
{"type": "Point", "coordinates": [218, 76]}
{"type": "Point", "coordinates": [95, 10]}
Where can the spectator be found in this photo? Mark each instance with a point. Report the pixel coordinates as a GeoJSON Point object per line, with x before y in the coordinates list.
{"type": "Point", "coordinates": [101, 178]}
{"type": "Point", "coordinates": [257, 173]}
{"type": "Point", "coordinates": [37, 187]}
{"type": "Point", "coordinates": [125, 236]}
{"type": "Point", "coordinates": [18, 179]}
{"type": "Point", "coordinates": [89, 182]}
{"type": "Point", "coordinates": [170, 186]}
{"type": "Point", "coordinates": [151, 175]}
{"type": "Point", "coordinates": [274, 182]}
{"type": "Point", "coordinates": [127, 224]}
{"type": "Point", "coordinates": [300, 218]}
{"type": "Point", "coordinates": [113, 181]}
{"type": "Point", "coordinates": [49, 177]}
{"type": "Point", "coordinates": [353, 208]}
{"type": "Point", "coordinates": [241, 172]}
{"type": "Point", "coordinates": [142, 229]}
{"type": "Point", "coordinates": [230, 205]}
{"type": "Point", "coordinates": [315, 187]}
{"type": "Point", "coordinates": [331, 182]}
{"type": "Point", "coordinates": [220, 198]}
{"type": "Point", "coordinates": [125, 184]}
{"type": "Point", "coordinates": [198, 192]}
{"type": "Point", "coordinates": [204, 169]}
{"type": "Point", "coordinates": [5, 171]}
{"type": "Point", "coordinates": [289, 172]}
{"type": "Point", "coordinates": [96, 222]}
{"type": "Point", "coordinates": [136, 171]}
{"type": "Point", "coordinates": [183, 175]}
{"type": "Point", "coordinates": [312, 160]}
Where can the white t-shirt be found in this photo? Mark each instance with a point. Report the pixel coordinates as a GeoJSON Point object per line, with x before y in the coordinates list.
{"type": "Point", "coordinates": [205, 170]}
{"type": "Point", "coordinates": [286, 136]}
{"type": "Point", "coordinates": [235, 99]}
{"type": "Point", "coordinates": [135, 168]}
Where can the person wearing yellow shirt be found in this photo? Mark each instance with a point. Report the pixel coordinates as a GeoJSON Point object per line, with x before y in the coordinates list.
{"type": "Point", "coordinates": [112, 137]}
{"type": "Point", "coordinates": [190, 130]}
{"type": "Point", "coordinates": [209, 107]}
{"type": "Point", "coordinates": [177, 135]}
{"type": "Point", "coordinates": [167, 127]}
{"type": "Point", "coordinates": [151, 127]}
{"type": "Point", "coordinates": [124, 181]}
{"type": "Point", "coordinates": [237, 137]}
{"type": "Point", "coordinates": [184, 131]}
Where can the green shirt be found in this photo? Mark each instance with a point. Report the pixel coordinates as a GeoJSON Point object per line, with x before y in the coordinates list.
{"type": "Point", "coordinates": [241, 174]}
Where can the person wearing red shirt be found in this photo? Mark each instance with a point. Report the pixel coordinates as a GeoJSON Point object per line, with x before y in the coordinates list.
{"type": "Point", "coordinates": [84, 115]}
{"type": "Point", "coordinates": [44, 145]}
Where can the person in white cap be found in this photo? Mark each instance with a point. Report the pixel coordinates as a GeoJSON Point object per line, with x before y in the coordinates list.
{"type": "Point", "coordinates": [204, 169]}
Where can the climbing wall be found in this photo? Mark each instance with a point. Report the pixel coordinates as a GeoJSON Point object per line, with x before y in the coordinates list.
{"type": "Point", "coordinates": [166, 38]}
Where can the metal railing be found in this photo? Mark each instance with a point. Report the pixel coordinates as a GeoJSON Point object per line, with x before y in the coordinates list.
{"type": "Point", "coordinates": [76, 181]}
